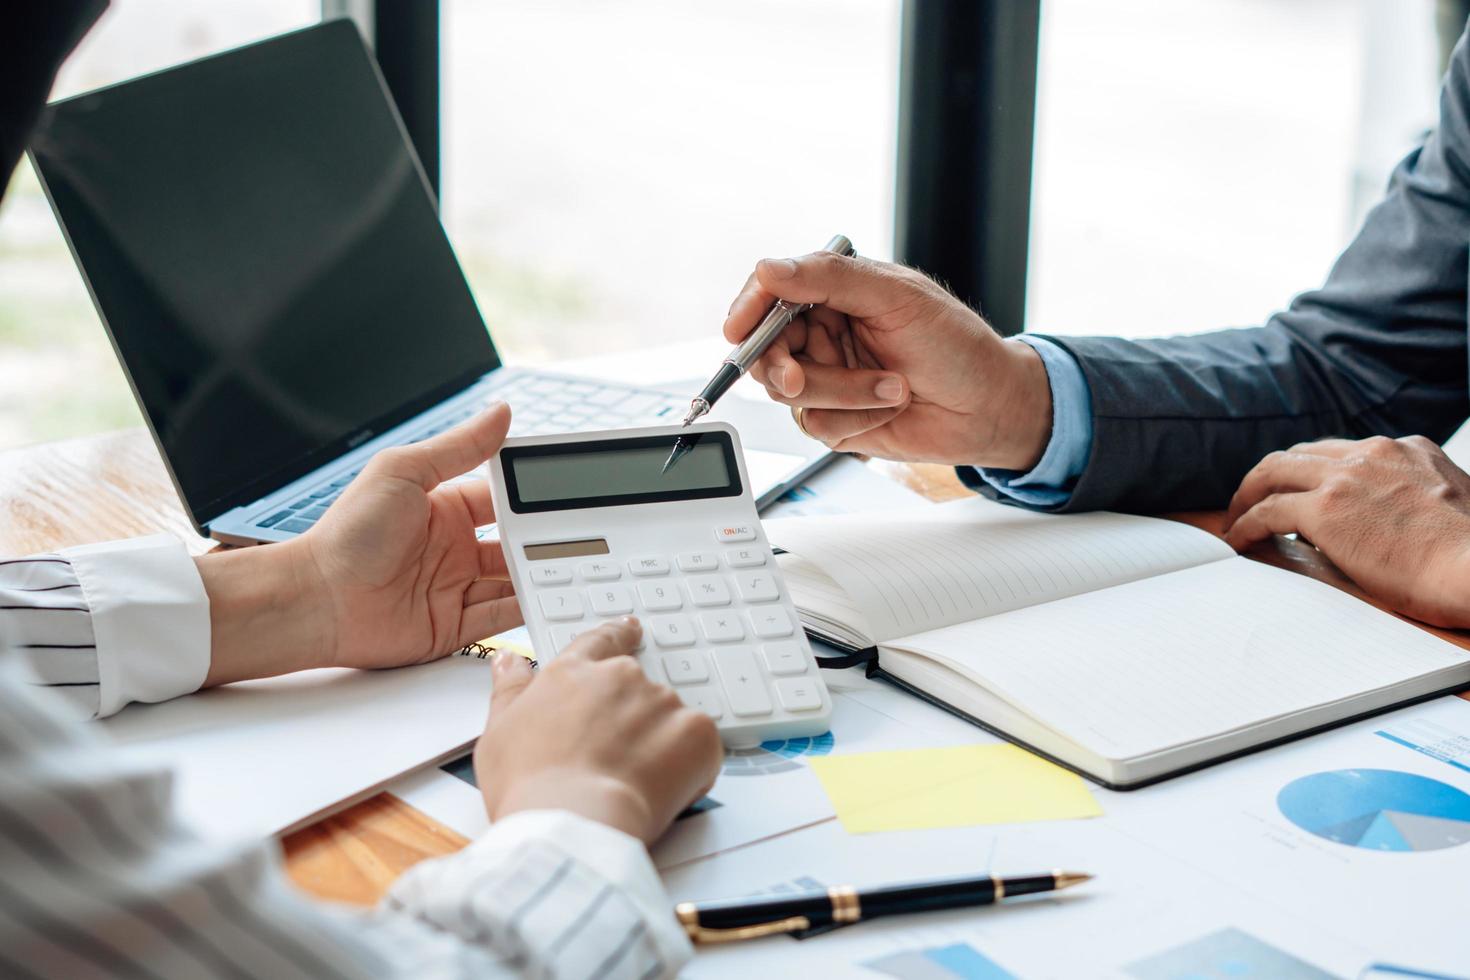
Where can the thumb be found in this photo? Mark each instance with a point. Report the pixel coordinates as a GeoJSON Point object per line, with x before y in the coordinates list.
{"type": "Point", "coordinates": [512, 673]}
{"type": "Point", "coordinates": [451, 454]}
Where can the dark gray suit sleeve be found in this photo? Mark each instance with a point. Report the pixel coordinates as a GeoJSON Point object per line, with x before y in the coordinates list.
{"type": "Point", "coordinates": [1379, 349]}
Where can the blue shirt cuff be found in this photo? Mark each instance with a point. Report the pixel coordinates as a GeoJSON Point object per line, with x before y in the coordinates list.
{"type": "Point", "coordinates": [1049, 483]}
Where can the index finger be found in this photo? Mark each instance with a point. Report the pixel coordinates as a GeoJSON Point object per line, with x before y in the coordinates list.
{"type": "Point", "coordinates": [1279, 472]}
{"type": "Point", "coordinates": [746, 311]}
{"type": "Point", "coordinates": [613, 639]}
{"type": "Point", "coordinates": [1336, 448]}
{"type": "Point", "coordinates": [1280, 513]}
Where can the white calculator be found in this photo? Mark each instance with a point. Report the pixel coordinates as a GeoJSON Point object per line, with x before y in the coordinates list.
{"type": "Point", "coordinates": [593, 529]}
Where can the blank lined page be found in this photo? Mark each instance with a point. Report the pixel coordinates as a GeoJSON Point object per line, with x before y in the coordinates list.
{"type": "Point", "coordinates": [977, 558]}
{"type": "Point", "coordinates": [822, 600]}
{"type": "Point", "coordinates": [1173, 660]}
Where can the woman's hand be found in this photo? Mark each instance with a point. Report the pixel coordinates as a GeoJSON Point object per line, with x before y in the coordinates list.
{"type": "Point", "coordinates": [391, 575]}
{"type": "Point", "coordinates": [591, 734]}
{"type": "Point", "coordinates": [397, 554]}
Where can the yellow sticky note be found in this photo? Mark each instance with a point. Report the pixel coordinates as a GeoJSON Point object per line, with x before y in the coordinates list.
{"type": "Point", "coordinates": [920, 789]}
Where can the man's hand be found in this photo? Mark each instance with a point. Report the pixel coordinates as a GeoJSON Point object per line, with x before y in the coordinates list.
{"type": "Point", "coordinates": [391, 575]}
{"type": "Point", "coordinates": [593, 735]}
{"type": "Point", "coordinates": [889, 364]}
{"type": "Point", "coordinates": [1394, 514]}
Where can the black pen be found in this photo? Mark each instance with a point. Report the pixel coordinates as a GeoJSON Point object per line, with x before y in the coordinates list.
{"type": "Point", "coordinates": [746, 353]}
{"type": "Point", "coordinates": [747, 918]}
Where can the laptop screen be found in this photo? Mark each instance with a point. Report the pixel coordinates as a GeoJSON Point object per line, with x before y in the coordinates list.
{"type": "Point", "coordinates": [266, 255]}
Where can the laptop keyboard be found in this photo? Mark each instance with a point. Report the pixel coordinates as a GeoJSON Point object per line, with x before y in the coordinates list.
{"type": "Point", "coordinates": [538, 406]}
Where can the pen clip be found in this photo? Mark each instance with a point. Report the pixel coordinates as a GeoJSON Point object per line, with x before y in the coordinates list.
{"type": "Point", "coordinates": [688, 915]}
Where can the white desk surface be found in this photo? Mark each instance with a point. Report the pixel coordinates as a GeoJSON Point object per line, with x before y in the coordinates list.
{"type": "Point", "coordinates": [1202, 876]}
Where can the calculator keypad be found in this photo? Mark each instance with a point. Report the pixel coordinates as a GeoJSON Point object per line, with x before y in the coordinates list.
{"type": "Point", "coordinates": [704, 699]}
{"type": "Point", "coordinates": [561, 604]}
{"type": "Point", "coordinates": [660, 596]}
{"type": "Point", "coordinates": [715, 629]}
{"type": "Point", "coordinates": [771, 623]}
{"type": "Point", "coordinates": [551, 575]}
{"type": "Point", "coordinates": [611, 600]}
{"type": "Point", "coordinates": [709, 590]}
{"type": "Point", "coordinates": [645, 567]}
{"type": "Point", "coordinates": [722, 627]}
{"type": "Point", "coordinates": [672, 631]}
{"type": "Point", "coordinates": [745, 684]}
{"type": "Point", "coordinates": [562, 636]}
{"type": "Point", "coordinates": [699, 561]}
{"type": "Point", "coordinates": [783, 659]}
{"type": "Point", "coordinates": [745, 557]}
{"type": "Point", "coordinates": [757, 587]}
{"type": "Point", "coordinates": [799, 694]}
{"type": "Point", "coordinates": [600, 571]}
{"type": "Point", "coordinates": [685, 668]}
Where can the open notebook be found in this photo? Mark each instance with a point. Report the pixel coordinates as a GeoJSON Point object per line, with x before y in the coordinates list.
{"type": "Point", "coordinates": [1130, 649]}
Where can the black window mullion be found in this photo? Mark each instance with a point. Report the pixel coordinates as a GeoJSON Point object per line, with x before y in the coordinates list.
{"type": "Point", "coordinates": [967, 108]}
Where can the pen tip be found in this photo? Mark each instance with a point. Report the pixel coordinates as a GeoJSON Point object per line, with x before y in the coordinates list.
{"type": "Point", "coordinates": [1066, 879]}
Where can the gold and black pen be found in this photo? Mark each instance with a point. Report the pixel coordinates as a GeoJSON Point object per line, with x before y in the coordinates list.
{"type": "Point", "coordinates": [746, 918]}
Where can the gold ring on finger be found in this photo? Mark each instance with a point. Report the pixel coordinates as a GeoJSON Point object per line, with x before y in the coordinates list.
{"type": "Point", "coordinates": [798, 414]}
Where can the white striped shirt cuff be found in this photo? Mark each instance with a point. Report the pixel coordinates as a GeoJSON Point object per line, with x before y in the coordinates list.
{"type": "Point", "coordinates": [150, 618]}
{"type": "Point", "coordinates": [563, 896]}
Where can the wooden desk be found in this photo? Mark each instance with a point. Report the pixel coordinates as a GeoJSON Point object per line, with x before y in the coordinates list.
{"type": "Point", "coordinates": [114, 485]}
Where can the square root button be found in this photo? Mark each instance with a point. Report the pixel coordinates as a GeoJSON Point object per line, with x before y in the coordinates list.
{"type": "Point", "coordinates": [757, 586]}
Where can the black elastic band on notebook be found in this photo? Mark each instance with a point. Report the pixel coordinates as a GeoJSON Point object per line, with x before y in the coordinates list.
{"type": "Point", "coordinates": [866, 658]}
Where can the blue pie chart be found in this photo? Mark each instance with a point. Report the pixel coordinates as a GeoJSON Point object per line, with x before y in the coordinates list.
{"type": "Point", "coordinates": [1378, 809]}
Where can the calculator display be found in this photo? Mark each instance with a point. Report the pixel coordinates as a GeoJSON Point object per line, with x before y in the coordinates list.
{"type": "Point", "coordinates": [567, 549]}
{"type": "Point", "coordinates": [610, 472]}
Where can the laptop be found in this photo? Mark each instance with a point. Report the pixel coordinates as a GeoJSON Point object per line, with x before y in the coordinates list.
{"type": "Point", "coordinates": [266, 255]}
